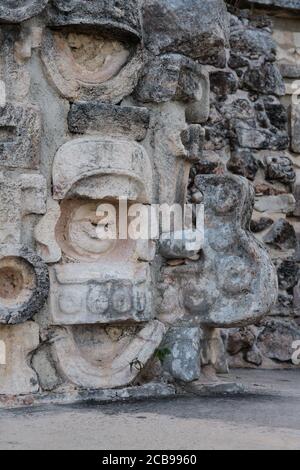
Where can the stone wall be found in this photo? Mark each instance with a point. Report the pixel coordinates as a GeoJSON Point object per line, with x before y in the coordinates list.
{"type": "Point", "coordinates": [272, 165]}
{"type": "Point", "coordinates": [159, 102]}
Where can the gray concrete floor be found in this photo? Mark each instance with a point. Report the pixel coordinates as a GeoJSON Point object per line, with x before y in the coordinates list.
{"type": "Point", "coordinates": [268, 419]}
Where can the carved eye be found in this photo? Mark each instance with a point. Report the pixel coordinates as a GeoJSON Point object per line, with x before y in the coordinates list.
{"type": "Point", "coordinates": [92, 59]}
{"type": "Point", "coordinates": [84, 64]}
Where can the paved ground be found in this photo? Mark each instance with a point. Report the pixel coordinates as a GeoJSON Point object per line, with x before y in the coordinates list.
{"type": "Point", "coordinates": [268, 419]}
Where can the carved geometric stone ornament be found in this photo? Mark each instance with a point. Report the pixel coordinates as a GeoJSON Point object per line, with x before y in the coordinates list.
{"type": "Point", "coordinates": [24, 284]}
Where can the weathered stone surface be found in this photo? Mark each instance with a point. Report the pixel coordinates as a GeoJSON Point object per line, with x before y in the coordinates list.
{"type": "Point", "coordinates": [260, 225]}
{"type": "Point", "coordinates": [193, 140]}
{"type": "Point", "coordinates": [252, 44]}
{"type": "Point", "coordinates": [44, 364]}
{"type": "Point", "coordinates": [184, 26]}
{"type": "Point", "coordinates": [12, 65]}
{"type": "Point", "coordinates": [20, 195]}
{"type": "Point", "coordinates": [254, 356]}
{"type": "Point", "coordinates": [119, 15]}
{"type": "Point", "coordinates": [223, 82]}
{"type": "Point", "coordinates": [280, 169]}
{"type": "Point", "coordinates": [289, 4]}
{"type": "Point", "coordinates": [276, 112]}
{"type": "Point", "coordinates": [233, 263]}
{"type": "Point", "coordinates": [250, 135]}
{"type": "Point", "coordinates": [122, 166]}
{"type": "Point", "coordinates": [182, 360]}
{"type": "Point", "coordinates": [116, 371]}
{"type": "Point", "coordinates": [16, 11]}
{"type": "Point", "coordinates": [295, 128]}
{"type": "Point", "coordinates": [48, 248]}
{"type": "Point", "coordinates": [240, 340]}
{"type": "Point", "coordinates": [297, 198]}
{"type": "Point", "coordinates": [242, 162]}
{"type": "Point", "coordinates": [109, 120]}
{"type": "Point", "coordinates": [276, 340]}
{"type": "Point", "coordinates": [282, 235]}
{"type": "Point", "coordinates": [16, 376]}
{"type": "Point", "coordinates": [288, 274]}
{"type": "Point", "coordinates": [24, 284]}
{"type": "Point", "coordinates": [20, 129]}
{"type": "Point", "coordinates": [176, 245]}
{"type": "Point", "coordinates": [110, 293]}
{"type": "Point", "coordinates": [284, 204]}
{"type": "Point", "coordinates": [175, 77]}
{"type": "Point", "coordinates": [265, 77]}
{"type": "Point", "coordinates": [84, 67]}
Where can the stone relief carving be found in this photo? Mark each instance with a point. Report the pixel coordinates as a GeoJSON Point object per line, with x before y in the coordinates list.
{"type": "Point", "coordinates": [234, 282]}
{"type": "Point", "coordinates": [90, 67]}
{"type": "Point", "coordinates": [129, 110]}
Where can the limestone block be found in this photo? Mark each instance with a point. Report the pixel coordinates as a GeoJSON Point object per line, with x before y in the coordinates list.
{"type": "Point", "coordinates": [280, 168]}
{"type": "Point", "coordinates": [85, 66]}
{"type": "Point", "coordinates": [265, 77]}
{"type": "Point", "coordinates": [24, 284]}
{"type": "Point", "coordinates": [12, 65]}
{"type": "Point", "coordinates": [44, 233]}
{"type": "Point", "coordinates": [252, 43]}
{"type": "Point", "coordinates": [17, 11]}
{"type": "Point", "coordinates": [20, 195]}
{"type": "Point", "coordinates": [295, 128]}
{"type": "Point", "coordinates": [16, 375]}
{"type": "Point", "coordinates": [116, 371]}
{"type": "Point", "coordinates": [171, 157]}
{"type": "Point", "coordinates": [115, 15]}
{"type": "Point", "coordinates": [19, 137]}
{"type": "Point", "coordinates": [277, 338]}
{"type": "Point", "coordinates": [234, 282]}
{"type": "Point", "coordinates": [250, 135]}
{"type": "Point", "coordinates": [287, 39]}
{"type": "Point", "coordinates": [242, 162]}
{"type": "Point", "coordinates": [187, 27]}
{"type": "Point", "coordinates": [110, 292]}
{"type": "Point", "coordinates": [182, 360]}
{"type": "Point", "coordinates": [284, 204]}
{"type": "Point", "coordinates": [122, 167]}
{"type": "Point", "coordinates": [297, 198]}
{"type": "Point", "coordinates": [177, 245]}
{"type": "Point", "coordinates": [282, 235]}
{"type": "Point", "coordinates": [120, 121]}
{"type": "Point", "coordinates": [289, 4]}
{"type": "Point", "coordinates": [175, 77]}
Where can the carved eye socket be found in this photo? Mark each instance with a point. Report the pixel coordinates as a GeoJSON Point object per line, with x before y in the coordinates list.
{"type": "Point", "coordinates": [84, 64]}
{"type": "Point", "coordinates": [92, 58]}
{"type": "Point", "coordinates": [17, 280]}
